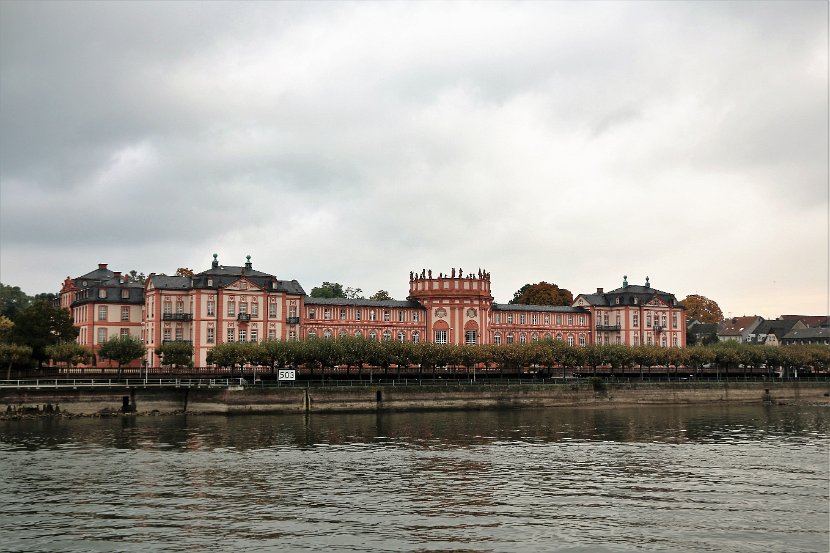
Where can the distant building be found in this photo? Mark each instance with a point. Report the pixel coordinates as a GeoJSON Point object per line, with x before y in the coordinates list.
{"type": "Point", "coordinates": [698, 333]}
{"type": "Point", "coordinates": [810, 321]}
{"type": "Point", "coordinates": [635, 315]}
{"type": "Point", "coordinates": [104, 304]}
{"type": "Point", "coordinates": [738, 329]}
{"type": "Point", "coordinates": [240, 304]}
{"type": "Point", "coordinates": [771, 333]}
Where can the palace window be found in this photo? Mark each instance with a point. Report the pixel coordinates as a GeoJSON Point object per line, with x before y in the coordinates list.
{"type": "Point", "coordinates": [211, 308]}
{"type": "Point", "coordinates": [326, 314]}
{"type": "Point", "coordinates": [168, 308]}
{"type": "Point", "coordinates": [254, 335]}
{"type": "Point", "coordinates": [636, 320]}
{"type": "Point", "coordinates": [401, 316]}
{"type": "Point", "coordinates": [547, 320]}
{"type": "Point", "coordinates": [402, 336]}
{"type": "Point", "coordinates": [102, 312]}
{"type": "Point", "coordinates": [243, 335]}
{"type": "Point", "coordinates": [415, 316]}
{"type": "Point", "coordinates": [674, 321]}
{"type": "Point", "coordinates": [272, 334]}
{"type": "Point", "coordinates": [509, 337]}
{"type": "Point", "coordinates": [342, 333]}
{"type": "Point", "coordinates": [125, 294]}
{"type": "Point", "coordinates": [231, 308]}
{"type": "Point", "coordinates": [619, 340]}
{"type": "Point", "coordinates": [674, 341]}
{"type": "Point", "coordinates": [372, 315]}
{"type": "Point", "coordinates": [570, 339]}
{"type": "Point", "coordinates": [210, 336]}
{"type": "Point", "coordinates": [254, 309]}
{"type": "Point", "coordinates": [534, 337]}
{"type": "Point", "coordinates": [582, 340]}
{"type": "Point", "coordinates": [648, 319]}
{"type": "Point", "coordinates": [470, 337]}
{"type": "Point", "coordinates": [559, 337]}
{"type": "Point", "coordinates": [416, 337]}
{"type": "Point", "coordinates": [373, 335]}
{"type": "Point", "coordinates": [522, 318]}
{"type": "Point", "coordinates": [292, 311]}
{"type": "Point", "coordinates": [311, 313]}
{"type": "Point", "coordinates": [522, 338]}
{"type": "Point", "coordinates": [243, 309]}
{"type": "Point", "coordinates": [102, 335]}
{"type": "Point", "coordinates": [559, 319]}
{"type": "Point", "coordinates": [102, 293]}
{"type": "Point", "coordinates": [357, 314]}
{"type": "Point", "coordinates": [497, 338]}
{"type": "Point", "coordinates": [387, 336]}
{"type": "Point", "coordinates": [342, 314]}
{"type": "Point", "coordinates": [230, 335]}
{"type": "Point", "coordinates": [179, 334]}
{"type": "Point", "coordinates": [272, 310]}
{"type": "Point", "coordinates": [292, 336]}
{"type": "Point", "coordinates": [440, 336]}
{"type": "Point", "coordinates": [179, 307]}
{"type": "Point", "coordinates": [166, 335]}
{"type": "Point", "coordinates": [312, 333]}
{"type": "Point", "coordinates": [125, 313]}
{"type": "Point", "coordinates": [636, 339]}
{"type": "Point", "coordinates": [387, 316]}
{"type": "Point", "coordinates": [327, 334]}
{"type": "Point", "coordinates": [534, 319]}
{"type": "Point", "coordinates": [358, 334]}
{"type": "Point", "coordinates": [582, 320]}
{"type": "Point", "coordinates": [570, 320]}
{"type": "Point", "coordinates": [497, 318]}
{"type": "Point", "coordinates": [125, 332]}
{"type": "Point", "coordinates": [510, 318]}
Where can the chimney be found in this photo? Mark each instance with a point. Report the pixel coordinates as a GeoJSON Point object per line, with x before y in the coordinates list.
{"type": "Point", "coordinates": [102, 266]}
{"type": "Point", "coordinates": [599, 290]}
{"type": "Point", "coordinates": [117, 275]}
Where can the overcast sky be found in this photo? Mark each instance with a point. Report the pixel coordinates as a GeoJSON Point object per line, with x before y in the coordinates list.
{"type": "Point", "coordinates": [353, 142]}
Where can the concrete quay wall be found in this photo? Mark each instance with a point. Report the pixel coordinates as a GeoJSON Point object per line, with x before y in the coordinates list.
{"type": "Point", "coordinates": [92, 401]}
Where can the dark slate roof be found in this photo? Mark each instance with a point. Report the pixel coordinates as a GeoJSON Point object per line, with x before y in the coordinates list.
{"type": "Point", "coordinates": [642, 293]}
{"type": "Point", "coordinates": [546, 308]}
{"type": "Point", "coordinates": [812, 333]}
{"type": "Point", "coordinates": [363, 303]}
{"type": "Point", "coordinates": [595, 299]}
{"type": "Point", "coordinates": [703, 328]}
{"type": "Point", "coordinates": [164, 282]}
{"type": "Point", "coordinates": [222, 275]}
{"type": "Point", "coordinates": [778, 327]}
{"type": "Point", "coordinates": [97, 274]}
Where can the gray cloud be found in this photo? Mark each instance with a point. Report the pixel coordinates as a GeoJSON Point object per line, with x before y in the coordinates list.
{"type": "Point", "coordinates": [355, 142]}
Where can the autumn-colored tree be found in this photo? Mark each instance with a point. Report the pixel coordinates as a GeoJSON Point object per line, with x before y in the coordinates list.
{"type": "Point", "coordinates": [702, 309]}
{"type": "Point", "coordinates": [542, 293]}
{"type": "Point", "coordinates": [184, 272]}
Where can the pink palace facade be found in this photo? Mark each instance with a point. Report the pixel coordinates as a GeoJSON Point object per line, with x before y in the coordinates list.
{"type": "Point", "coordinates": [240, 304]}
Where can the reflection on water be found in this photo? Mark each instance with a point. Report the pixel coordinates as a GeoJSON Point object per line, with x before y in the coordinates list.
{"type": "Point", "coordinates": [637, 479]}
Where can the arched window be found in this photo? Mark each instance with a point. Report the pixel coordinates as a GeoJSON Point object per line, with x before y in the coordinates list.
{"type": "Point", "coordinates": [373, 335]}
{"type": "Point", "coordinates": [546, 336]}
{"type": "Point", "coordinates": [522, 338]}
{"type": "Point", "coordinates": [416, 337]}
{"type": "Point", "coordinates": [534, 337]}
{"type": "Point", "coordinates": [559, 337]}
{"type": "Point", "coordinates": [402, 336]}
{"type": "Point", "coordinates": [358, 334]}
{"type": "Point", "coordinates": [497, 338]}
{"type": "Point", "coordinates": [342, 333]}
{"type": "Point", "coordinates": [387, 335]}
{"type": "Point", "coordinates": [312, 333]}
{"type": "Point", "coordinates": [570, 339]}
{"type": "Point", "coordinates": [509, 337]}
{"type": "Point", "coordinates": [327, 333]}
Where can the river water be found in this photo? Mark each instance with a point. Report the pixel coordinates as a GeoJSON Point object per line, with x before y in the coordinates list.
{"type": "Point", "coordinates": [728, 478]}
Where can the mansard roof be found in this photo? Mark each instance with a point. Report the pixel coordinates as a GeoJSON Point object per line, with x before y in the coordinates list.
{"type": "Point", "coordinates": [538, 308]}
{"type": "Point", "coordinates": [164, 282]}
{"type": "Point", "coordinates": [363, 303]}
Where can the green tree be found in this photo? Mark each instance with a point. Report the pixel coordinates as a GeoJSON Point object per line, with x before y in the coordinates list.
{"type": "Point", "coordinates": [542, 293]}
{"type": "Point", "coordinates": [702, 309]}
{"type": "Point", "coordinates": [353, 293]}
{"type": "Point", "coordinates": [69, 353]}
{"type": "Point", "coordinates": [135, 276]}
{"type": "Point", "coordinates": [121, 349]}
{"type": "Point", "coordinates": [328, 290]}
{"type": "Point", "coordinates": [12, 300]}
{"type": "Point", "coordinates": [14, 354]}
{"type": "Point", "coordinates": [42, 324]}
{"type": "Point", "coordinates": [381, 295]}
{"type": "Point", "coordinates": [176, 353]}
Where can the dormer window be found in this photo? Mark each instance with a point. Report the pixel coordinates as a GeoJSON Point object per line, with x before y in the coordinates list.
{"type": "Point", "coordinates": [102, 293]}
{"type": "Point", "coordinates": [210, 282]}
{"type": "Point", "coordinates": [635, 301]}
{"type": "Point", "coordinates": [125, 294]}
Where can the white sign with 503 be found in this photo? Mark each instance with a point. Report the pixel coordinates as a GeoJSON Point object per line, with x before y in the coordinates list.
{"type": "Point", "coordinates": [287, 374]}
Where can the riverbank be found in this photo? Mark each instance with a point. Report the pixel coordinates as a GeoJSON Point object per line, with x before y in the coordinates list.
{"type": "Point", "coordinates": [120, 399]}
